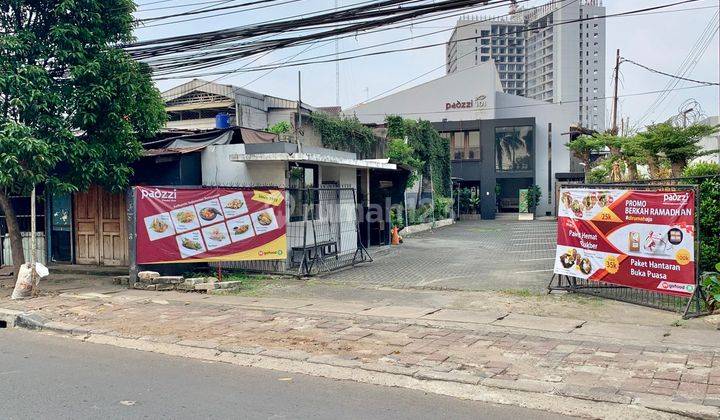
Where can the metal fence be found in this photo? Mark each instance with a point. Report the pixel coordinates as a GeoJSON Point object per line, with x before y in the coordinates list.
{"type": "Point", "coordinates": [693, 306]}
{"type": "Point", "coordinates": [322, 233]}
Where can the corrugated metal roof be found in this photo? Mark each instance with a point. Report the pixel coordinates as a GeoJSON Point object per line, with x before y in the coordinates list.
{"type": "Point", "coordinates": [208, 105]}
{"type": "Point", "coordinates": [199, 85]}
{"type": "Point", "coordinates": [172, 151]}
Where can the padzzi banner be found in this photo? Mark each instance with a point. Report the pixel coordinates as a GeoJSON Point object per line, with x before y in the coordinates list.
{"type": "Point", "coordinates": [640, 239]}
{"type": "Point", "coordinates": [209, 224]}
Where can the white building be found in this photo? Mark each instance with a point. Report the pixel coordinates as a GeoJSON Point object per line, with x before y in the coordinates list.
{"type": "Point", "coordinates": [710, 143]}
{"type": "Point", "coordinates": [539, 56]}
{"type": "Point", "coordinates": [495, 138]}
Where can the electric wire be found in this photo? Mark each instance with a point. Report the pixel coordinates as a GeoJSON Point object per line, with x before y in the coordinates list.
{"type": "Point", "coordinates": [625, 60]}
{"type": "Point", "coordinates": [315, 60]}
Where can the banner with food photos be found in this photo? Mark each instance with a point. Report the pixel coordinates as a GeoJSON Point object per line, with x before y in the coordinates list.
{"type": "Point", "coordinates": [635, 238]}
{"type": "Point", "coordinates": [177, 225]}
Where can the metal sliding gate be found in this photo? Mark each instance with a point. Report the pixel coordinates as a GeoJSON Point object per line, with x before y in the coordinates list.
{"type": "Point", "coordinates": [322, 233]}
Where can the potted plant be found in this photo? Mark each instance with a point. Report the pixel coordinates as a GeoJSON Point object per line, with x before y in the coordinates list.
{"type": "Point", "coordinates": [474, 204]}
{"type": "Point", "coordinates": [529, 200]}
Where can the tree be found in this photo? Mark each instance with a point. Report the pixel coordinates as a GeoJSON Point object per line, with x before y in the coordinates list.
{"type": "Point", "coordinates": [281, 127]}
{"type": "Point", "coordinates": [678, 145]}
{"type": "Point", "coordinates": [73, 107]}
{"type": "Point", "coordinates": [633, 155]}
{"type": "Point", "coordinates": [401, 153]}
{"type": "Point", "coordinates": [582, 149]}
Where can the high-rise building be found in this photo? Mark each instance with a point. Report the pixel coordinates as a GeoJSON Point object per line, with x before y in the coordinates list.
{"type": "Point", "coordinates": [542, 53]}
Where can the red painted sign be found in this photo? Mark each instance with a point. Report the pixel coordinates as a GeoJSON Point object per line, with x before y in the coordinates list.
{"type": "Point", "coordinates": [209, 224]}
{"type": "Point", "coordinates": [640, 239]}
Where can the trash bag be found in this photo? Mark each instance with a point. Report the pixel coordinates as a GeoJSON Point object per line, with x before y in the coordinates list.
{"type": "Point", "coordinates": [25, 285]}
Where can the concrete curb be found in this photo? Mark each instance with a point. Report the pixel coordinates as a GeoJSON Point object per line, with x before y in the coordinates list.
{"type": "Point", "coordinates": [424, 227]}
{"type": "Point", "coordinates": [527, 393]}
{"type": "Point", "coordinates": [9, 317]}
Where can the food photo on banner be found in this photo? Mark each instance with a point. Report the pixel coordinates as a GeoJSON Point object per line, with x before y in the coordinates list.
{"type": "Point", "coordinates": [640, 239]}
{"type": "Point", "coordinates": [177, 225]}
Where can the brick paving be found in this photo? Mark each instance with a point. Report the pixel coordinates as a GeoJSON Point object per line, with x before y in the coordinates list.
{"type": "Point", "coordinates": [470, 255]}
{"type": "Point", "coordinates": [586, 367]}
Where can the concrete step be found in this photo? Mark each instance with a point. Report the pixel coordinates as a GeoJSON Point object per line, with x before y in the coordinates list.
{"type": "Point", "coordinates": [97, 270]}
{"type": "Point", "coordinates": [506, 216]}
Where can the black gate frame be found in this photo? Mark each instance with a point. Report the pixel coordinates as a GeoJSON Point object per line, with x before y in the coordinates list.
{"type": "Point", "coordinates": [693, 305]}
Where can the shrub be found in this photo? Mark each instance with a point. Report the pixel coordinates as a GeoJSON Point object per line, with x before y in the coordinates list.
{"type": "Point", "coordinates": [598, 175]}
{"type": "Point", "coordinates": [709, 213]}
{"type": "Point", "coordinates": [397, 219]}
{"type": "Point", "coordinates": [702, 169]}
{"type": "Point", "coordinates": [281, 127]}
{"type": "Point", "coordinates": [443, 205]}
{"type": "Point", "coordinates": [711, 287]}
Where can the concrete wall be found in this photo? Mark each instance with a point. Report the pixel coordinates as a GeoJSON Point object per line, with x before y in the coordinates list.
{"type": "Point", "coordinates": [253, 118]}
{"type": "Point", "coordinates": [429, 101]}
{"type": "Point", "coordinates": [309, 136]}
{"type": "Point", "coordinates": [198, 124]}
{"type": "Point", "coordinates": [217, 169]}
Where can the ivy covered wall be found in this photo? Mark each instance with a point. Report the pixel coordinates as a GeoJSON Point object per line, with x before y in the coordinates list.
{"type": "Point", "coordinates": [427, 147]}
{"type": "Point", "coordinates": [347, 134]}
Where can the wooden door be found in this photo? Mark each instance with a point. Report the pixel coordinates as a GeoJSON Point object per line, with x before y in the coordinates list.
{"type": "Point", "coordinates": [100, 228]}
{"type": "Point", "coordinates": [86, 227]}
{"type": "Point", "coordinates": [113, 239]}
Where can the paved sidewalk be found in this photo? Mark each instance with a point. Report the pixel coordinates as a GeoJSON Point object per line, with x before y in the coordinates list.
{"type": "Point", "coordinates": [668, 369]}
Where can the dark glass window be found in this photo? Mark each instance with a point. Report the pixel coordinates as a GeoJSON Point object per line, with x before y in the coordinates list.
{"type": "Point", "coordinates": [473, 145]}
{"type": "Point", "coordinates": [513, 146]}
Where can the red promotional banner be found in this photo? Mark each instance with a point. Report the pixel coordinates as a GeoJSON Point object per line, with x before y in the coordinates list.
{"type": "Point", "coordinates": [209, 224]}
{"type": "Point", "coordinates": [640, 239]}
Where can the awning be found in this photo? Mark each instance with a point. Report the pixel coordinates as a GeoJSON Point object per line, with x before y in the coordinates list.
{"type": "Point", "coordinates": [224, 138]}
{"type": "Point", "coordinates": [313, 158]}
{"type": "Point", "coordinates": [250, 136]}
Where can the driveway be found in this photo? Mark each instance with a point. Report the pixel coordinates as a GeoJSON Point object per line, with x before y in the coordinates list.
{"type": "Point", "coordinates": [472, 255]}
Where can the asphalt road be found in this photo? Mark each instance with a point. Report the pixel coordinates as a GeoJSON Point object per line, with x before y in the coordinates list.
{"type": "Point", "coordinates": [51, 377]}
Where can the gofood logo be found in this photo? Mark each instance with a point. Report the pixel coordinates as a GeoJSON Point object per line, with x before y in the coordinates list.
{"type": "Point", "coordinates": [676, 287]}
{"type": "Point", "coordinates": [263, 253]}
{"type": "Point", "coordinates": [676, 198]}
{"type": "Point", "coordinates": [157, 194]}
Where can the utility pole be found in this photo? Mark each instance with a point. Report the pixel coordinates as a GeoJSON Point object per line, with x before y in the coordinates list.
{"type": "Point", "coordinates": [299, 114]}
{"type": "Point", "coordinates": [614, 128]}
{"type": "Point", "coordinates": [337, 64]}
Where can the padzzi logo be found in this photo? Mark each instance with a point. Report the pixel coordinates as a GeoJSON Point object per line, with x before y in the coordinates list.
{"type": "Point", "coordinates": [478, 102]}
{"type": "Point", "coordinates": [158, 194]}
{"type": "Point", "coordinates": [209, 224]}
{"type": "Point", "coordinates": [640, 239]}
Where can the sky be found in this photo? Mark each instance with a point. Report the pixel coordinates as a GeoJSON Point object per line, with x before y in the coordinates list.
{"type": "Point", "coordinates": [660, 40]}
